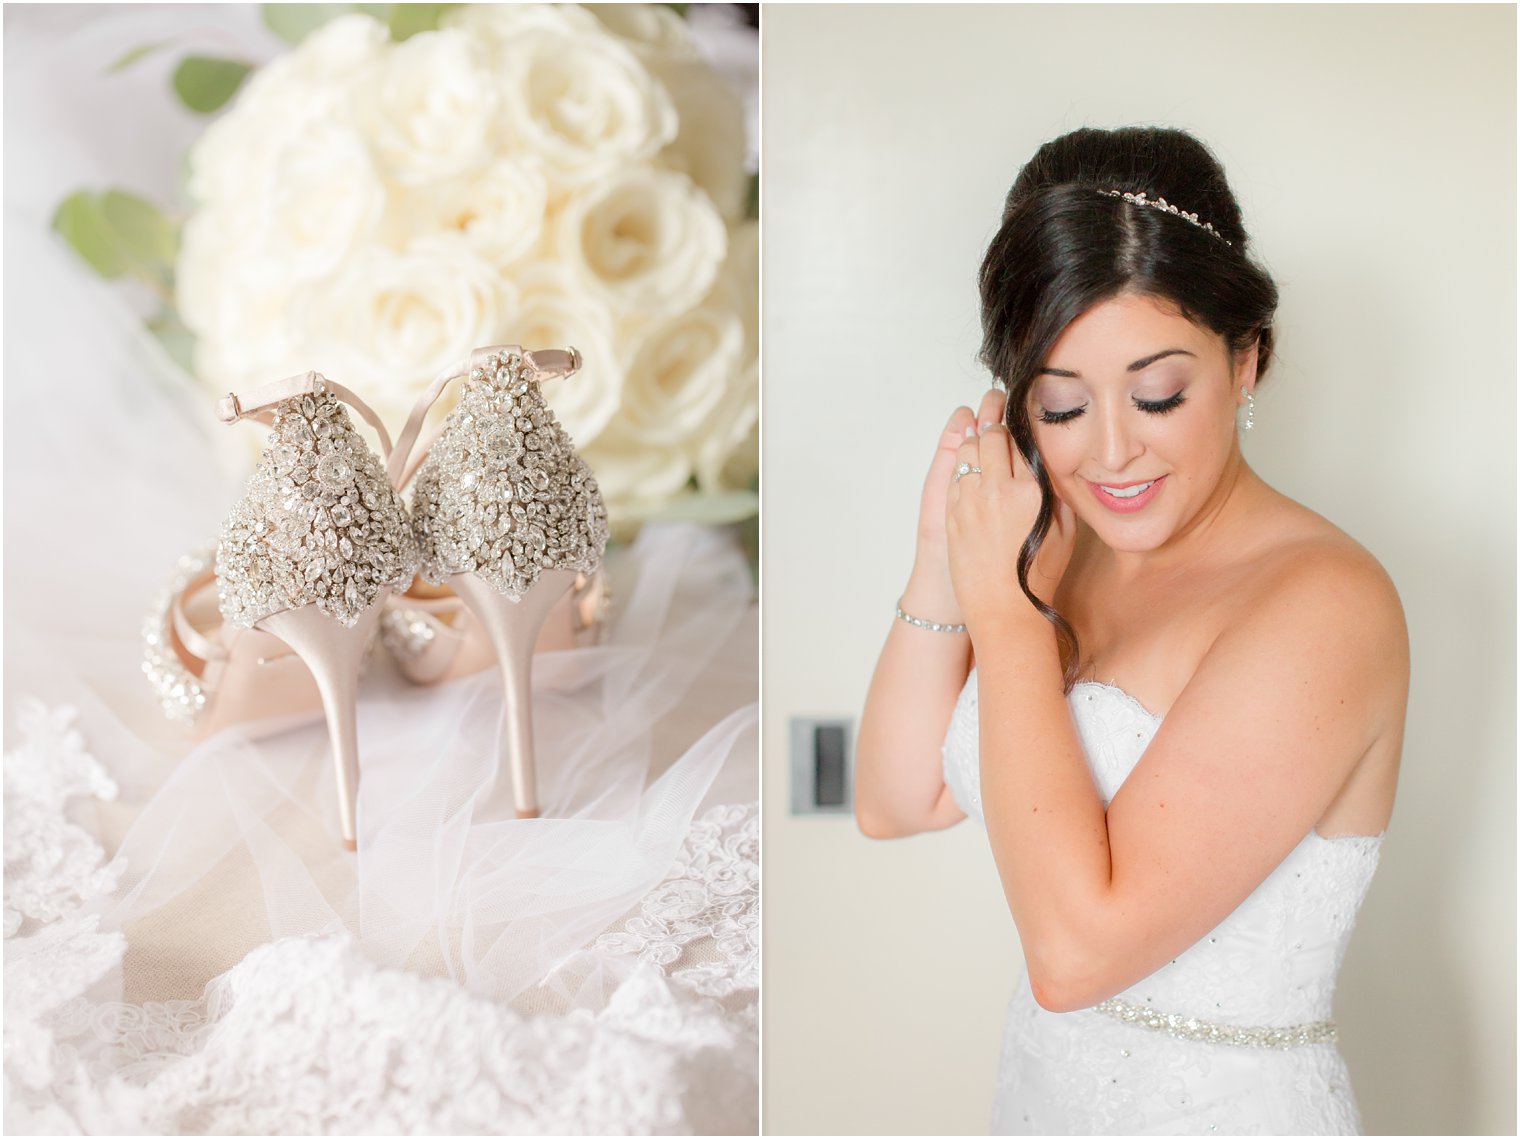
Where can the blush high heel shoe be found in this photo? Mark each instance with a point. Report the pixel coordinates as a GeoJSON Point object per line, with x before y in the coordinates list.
{"type": "Point", "coordinates": [506, 515]}
{"type": "Point", "coordinates": [209, 675]}
{"type": "Point", "coordinates": [305, 563]}
{"type": "Point", "coordinates": [433, 638]}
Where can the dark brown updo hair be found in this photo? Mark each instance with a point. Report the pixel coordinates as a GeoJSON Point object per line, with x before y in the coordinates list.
{"type": "Point", "coordinates": [1063, 247]}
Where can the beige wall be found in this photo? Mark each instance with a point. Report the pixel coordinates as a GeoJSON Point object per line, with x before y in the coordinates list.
{"type": "Point", "coordinates": [1373, 150]}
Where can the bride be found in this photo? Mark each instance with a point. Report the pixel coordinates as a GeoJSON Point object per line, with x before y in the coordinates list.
{"type": "Point", "coordinates": [1174, 696]}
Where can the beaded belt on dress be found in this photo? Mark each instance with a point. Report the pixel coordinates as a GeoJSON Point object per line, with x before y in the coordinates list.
{"type": "Point", "coordinates": [1191, 1028]}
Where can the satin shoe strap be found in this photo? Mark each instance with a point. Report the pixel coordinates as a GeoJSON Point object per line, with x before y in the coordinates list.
{"type": "Point", "coordinates": [548, 364]}
{"type": "Point", "coordinates": [211, 650]}
{"type": "Point", "coordinates": [189, 636]}
{"type": "Point", "coordinates": [255, 404]}
{"type": "Point", "coordinates": [398, 469]}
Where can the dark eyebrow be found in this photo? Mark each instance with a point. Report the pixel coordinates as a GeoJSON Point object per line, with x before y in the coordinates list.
{"type": "Point", "coordinates": [1137, 366]}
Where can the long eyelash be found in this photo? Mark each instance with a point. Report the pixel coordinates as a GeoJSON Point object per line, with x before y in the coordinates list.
{"type": "Point", "coordinates": [1061, 416]}
{"type": "Point", "coordinates": [1161, 406]}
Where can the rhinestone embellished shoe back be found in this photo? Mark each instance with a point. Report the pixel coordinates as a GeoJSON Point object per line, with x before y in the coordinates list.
{"type": "Point", "coordinates": [503, 493]}
{"type": "Point", "coordinates": [320, 524]}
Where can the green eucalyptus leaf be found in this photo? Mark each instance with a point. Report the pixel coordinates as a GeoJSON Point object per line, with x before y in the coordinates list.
{"type": "Point", "coordinates": [204, 83]}
{"type": "Point", "coordinates": [406, 20]}
{"type": "Point", "coordinates": [119, 233]}
{"type": "Point", "coordinates": [142, 231]}
{"type": "Point", "coordinates": [82, 222]}
{"type": "Point", "coordinates": [294, 22]}
{"type": "Point", "coordinates": [678, 9]}
{"type": "Point", "coordinates": [177, 340]}
{"type": "Point", "coordinates": [709, 509]}
{"type": "Point", "coordinates": [135, 54]}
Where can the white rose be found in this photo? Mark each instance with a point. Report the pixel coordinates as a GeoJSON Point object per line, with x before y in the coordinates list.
{"type": "Point", "coordinates": [313, 201]}
{"type": "Point", "coordinates": [499, 212]}
{"type": "Point", "coordinates": [581, 101]}
{"type": "Point", "coordinates": [324, 200]}
{"type": "Point", "coordinates": [246, 336]}
{"type": "Point", "coordinates": [231, 152]}
{"type": "Point", "coordinates": [710, 147]}
{"type": "Point", "coordinates": [648, 239]}
{"type": "Point", "coordinates": [209, 247]}
{"type": "Point", "coordinates": [552, 312]}
{"type": "Point", "coordinates": [738, 283]}
{"type": "Point", "coordinates": [636, 480]}
{"type": "Point", "coordinates": [309, 84]}
{"type": "Point", "coordinates": [727, 453]}
{"type": "Point", "coordinates": [327, 59]}
{"type": "Point", "coordinates": [391, 321]}
{"type": "Point", "coordinates": [429, 107]}
{"type": "Point", "coordinates": [683, 368]}
{"type": "Point", "coordinates": [502, 23]}
{"type": "Point", "coordinates": [652, 30]}
{"type": "Point", "coordinates": [314, 197]}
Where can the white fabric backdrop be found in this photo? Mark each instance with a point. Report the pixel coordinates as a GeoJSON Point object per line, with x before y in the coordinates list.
{"type": "Point", "coordinates": [625, 919]}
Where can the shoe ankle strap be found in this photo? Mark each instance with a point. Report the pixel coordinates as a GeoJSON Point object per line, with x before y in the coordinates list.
{"type": "Point", "coordinates": [255, 404]}
{"type": "Point", "coordinates": [213, 652]}
{"type": "Point", "coordinates": [547, 364]}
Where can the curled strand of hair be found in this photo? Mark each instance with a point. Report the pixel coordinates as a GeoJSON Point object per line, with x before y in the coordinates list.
{"type": "Point", "coordinates": [1066, 636]}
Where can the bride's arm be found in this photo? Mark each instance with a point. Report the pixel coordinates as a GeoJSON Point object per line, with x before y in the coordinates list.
{"type": "Point", "coordinates": [899, 779]}
{"type": "Point", "coordinates": [1310, 676]}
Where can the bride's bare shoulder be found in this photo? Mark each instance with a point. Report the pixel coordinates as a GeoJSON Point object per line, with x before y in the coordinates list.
{"type": "Point", "coordinates": [1312, 567]}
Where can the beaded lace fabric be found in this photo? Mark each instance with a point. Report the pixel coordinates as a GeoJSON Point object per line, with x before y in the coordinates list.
{"type": "Point", "coordinates": [306, 1035]}
{"type": "Point", "coordinates": [1271, 963]}
{"type": "Point", "coordinates": [503, 492]}
{"type": "Point", "coordinates": [320, 523]}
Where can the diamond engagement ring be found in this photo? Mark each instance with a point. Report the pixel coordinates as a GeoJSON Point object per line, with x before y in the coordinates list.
{"type": "Point", "coordinates": [966, 469]}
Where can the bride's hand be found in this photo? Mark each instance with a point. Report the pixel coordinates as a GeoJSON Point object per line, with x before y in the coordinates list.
{"type": "Point", "coordinates": [988, 517]}
{"type": "Point", "coordinates": [930, 583]}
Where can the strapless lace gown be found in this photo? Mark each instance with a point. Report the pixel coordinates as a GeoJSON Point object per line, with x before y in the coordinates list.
{"type": "Point", "coordinates": [1271, 963]}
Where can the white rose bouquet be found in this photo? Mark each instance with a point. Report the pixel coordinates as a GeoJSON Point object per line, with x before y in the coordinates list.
{"type": "Point", "coordinates": [375, 206]}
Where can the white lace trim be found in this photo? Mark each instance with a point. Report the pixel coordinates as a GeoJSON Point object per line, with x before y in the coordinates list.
{"type": "Point", "coordinates": [712, 894]}
{"type": "Point", "coordinates": [305, 1035]}
{"type": "Point", "coordinates": [51, 865]}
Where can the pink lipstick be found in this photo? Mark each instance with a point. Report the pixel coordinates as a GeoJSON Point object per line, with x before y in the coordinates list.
{"type": "Point", "coordinates": [1130, 496]}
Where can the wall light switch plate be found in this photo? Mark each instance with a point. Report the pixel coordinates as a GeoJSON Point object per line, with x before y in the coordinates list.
{"type": "Point", "coordinates": [823, 762]}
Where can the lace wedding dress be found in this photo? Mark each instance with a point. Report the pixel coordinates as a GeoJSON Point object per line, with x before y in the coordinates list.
{"type": "Point", "coordinates": [1230, 1038]}
{"type": "Point", "coordinates": [307, 1035]}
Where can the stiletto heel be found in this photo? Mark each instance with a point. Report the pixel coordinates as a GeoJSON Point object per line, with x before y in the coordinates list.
{"type": "Point", "coordinates": [433, 637]}
{"type": "Point", "coordinates": [313, 550]}
{"type": "Point", "coordinates": [512, 627]}
{"type": "Point", "coordinates": [505, 512]}
{"type": "Point", "coordinates": [333, 652]}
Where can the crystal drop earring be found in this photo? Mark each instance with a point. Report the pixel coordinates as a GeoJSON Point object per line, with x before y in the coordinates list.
{"type": "Point", "coordinates": [1250, 409]}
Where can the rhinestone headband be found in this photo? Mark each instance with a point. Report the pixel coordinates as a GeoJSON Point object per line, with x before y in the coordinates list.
{"type": "Point", "coordinates": [1141, 199]}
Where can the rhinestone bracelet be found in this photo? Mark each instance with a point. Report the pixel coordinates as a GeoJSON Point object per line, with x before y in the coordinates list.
{"type": "Point", "coordinates": [932, 626]}
{"type": "Point", "coordinates": [1210, 1032]}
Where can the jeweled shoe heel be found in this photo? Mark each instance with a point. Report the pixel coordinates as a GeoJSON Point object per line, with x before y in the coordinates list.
{"type": "Point", "coordinates": [315, 547]}
{"type": "Point", "coordinates": [504, 512]}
